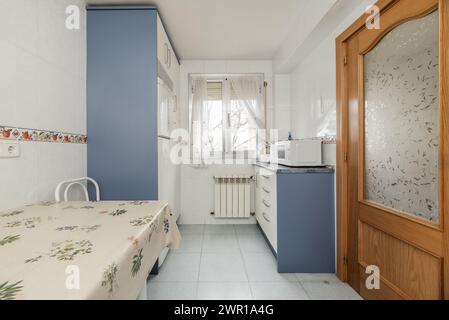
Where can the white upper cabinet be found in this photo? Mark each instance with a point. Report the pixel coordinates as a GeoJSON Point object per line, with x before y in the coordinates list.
{"type": "Point", "coordinates": [166, 55]}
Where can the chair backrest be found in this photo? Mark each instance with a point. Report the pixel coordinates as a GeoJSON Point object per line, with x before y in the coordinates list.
{"type": "Point", "coordinates": [68, 184]}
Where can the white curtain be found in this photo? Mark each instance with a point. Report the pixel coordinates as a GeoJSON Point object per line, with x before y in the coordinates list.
{"type": "Point", "coordinates": [248, 91]}
{"type": "Point", "coordinates": [249, 96]}
{"type": "Point", "coordinates": [198, 120]}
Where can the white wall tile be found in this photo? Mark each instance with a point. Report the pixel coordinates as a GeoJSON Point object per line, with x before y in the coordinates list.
{"type": "Point", "coordinates": [197, 193]}
{"type": "Point", "coordinates": [282, 123]}
{"type": "Point", "coordinates": [282, 91]}
{"type": "Point", "coordinates": [215, 66]}
{"type": "Point", "coordinates": [7, 22]}
{"type": "Point", "coordinates": [192, 66]}
{"type": "Point", "coordinates": [314, 80]}
{"type": "Point", "coordinates": [7, 87]}
{"type": "Point", "coordinates": [265, 66]}
{"type": "Point", "coordinates": [42, 86]}
{"type": "Point", "coordinates": [237, 66]}
{"type": "Point", "coordinates": [17, 178]}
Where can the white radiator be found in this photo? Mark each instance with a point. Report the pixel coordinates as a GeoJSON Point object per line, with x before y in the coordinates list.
{"type": "Point", "coordinates": [232, 197]}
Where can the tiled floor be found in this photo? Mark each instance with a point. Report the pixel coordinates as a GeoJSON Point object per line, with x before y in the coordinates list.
{"type": "Point", "coordinates": [226, 262]}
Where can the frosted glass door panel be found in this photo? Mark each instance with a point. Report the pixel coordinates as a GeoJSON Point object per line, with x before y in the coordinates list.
{"type": "Point", "coordinates": [401, 119]}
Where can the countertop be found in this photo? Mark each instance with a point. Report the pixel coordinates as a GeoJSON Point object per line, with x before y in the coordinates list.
{"type": "Point", "coordinates": [279, 169]}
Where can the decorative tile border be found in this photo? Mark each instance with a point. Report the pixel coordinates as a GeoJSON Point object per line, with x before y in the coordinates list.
{"type": "Point", "coordinates": [327, 139]}
{"type": "Point", "coordinates": [330, 140]}
{"type": "Point", "coordinates": [36, 135]}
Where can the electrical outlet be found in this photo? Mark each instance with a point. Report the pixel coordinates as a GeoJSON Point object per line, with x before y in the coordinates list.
{"type": "Point", "coordinates": [9, 150]}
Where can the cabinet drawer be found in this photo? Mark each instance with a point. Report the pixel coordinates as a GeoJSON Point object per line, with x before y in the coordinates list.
{"type": "Point", "coordinates": [267, 181]}
{"type": "Point", "coordinates": [266, 210]}
{"type": "Point", "coordinates": [266, 203]}
{"type": "Point", "coordinates": [269, 226]}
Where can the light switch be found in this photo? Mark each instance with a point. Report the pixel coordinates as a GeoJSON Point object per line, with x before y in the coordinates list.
{"type": "Point", "coordinates": [9, 150]}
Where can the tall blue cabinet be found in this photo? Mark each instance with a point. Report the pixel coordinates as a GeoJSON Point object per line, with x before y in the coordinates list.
{"type": "Point", "coordinates": [122, 101]}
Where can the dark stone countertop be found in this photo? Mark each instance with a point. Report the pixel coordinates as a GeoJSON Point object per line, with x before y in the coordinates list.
{"type": "Point", "coordinates": [279, 169]}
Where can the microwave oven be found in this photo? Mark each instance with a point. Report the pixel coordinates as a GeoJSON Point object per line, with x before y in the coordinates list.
{"type": "Point", "coordinates": [298, 153]}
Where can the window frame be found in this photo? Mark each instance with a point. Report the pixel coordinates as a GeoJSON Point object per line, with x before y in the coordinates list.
{"type": "Point", "coordinates": [226, 153]}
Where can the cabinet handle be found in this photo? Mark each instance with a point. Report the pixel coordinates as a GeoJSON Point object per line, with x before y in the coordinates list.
{"type": "Point", "coordinates": [265, 203]}
{"type": "Point", "coordinates": [169, 58]}
{"type": "Point", "coordinates": [266, 177]}
{"type": "Point", "coordinates": [266, 190]}
{"type": "Point", "coordinates": [166, 54]}
{"type": "Point", "coordinates": [175, 108]}
{"type": "Point", "coordinates": [264, 215]}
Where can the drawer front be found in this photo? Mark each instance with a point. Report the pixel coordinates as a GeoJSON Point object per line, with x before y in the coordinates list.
{"type": "Point", "coordinates": [269, 226]}
{"type": "Point", "coordinates": [267, 181]}
{"type": "Point", "coordinates": [266, 205]}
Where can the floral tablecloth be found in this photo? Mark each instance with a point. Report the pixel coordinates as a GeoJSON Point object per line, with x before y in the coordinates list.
{"type": "Point", "coordinates": [82, 250]}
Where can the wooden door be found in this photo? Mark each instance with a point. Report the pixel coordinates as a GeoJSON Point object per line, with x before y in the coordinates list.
{"type": "Point", "coordinates": [393, 151]}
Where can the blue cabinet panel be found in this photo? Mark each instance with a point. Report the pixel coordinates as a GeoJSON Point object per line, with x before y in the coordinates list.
{"type": "Point", "coordinates": [306, 223]}
{"type": "Point", "coordinates": [122, 102]}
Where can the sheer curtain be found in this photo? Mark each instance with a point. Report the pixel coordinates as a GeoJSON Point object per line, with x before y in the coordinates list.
{"type": "Point", "coordinates": [248, 95]}
{"type": "Point", "coordinates": [199, 121]}
{"type": "Point", "coordinates": [248, 91]}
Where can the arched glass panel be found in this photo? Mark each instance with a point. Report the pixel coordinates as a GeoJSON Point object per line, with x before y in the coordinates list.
{"type": "Point", "coordinates": [401, 119]}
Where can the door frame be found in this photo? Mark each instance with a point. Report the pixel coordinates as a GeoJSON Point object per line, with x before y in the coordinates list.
{"type": "Point", "coordinates": [343, 138]}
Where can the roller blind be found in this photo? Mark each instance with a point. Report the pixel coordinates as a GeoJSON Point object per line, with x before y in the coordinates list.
{"type": "Point", "coordinates": [215, 91]}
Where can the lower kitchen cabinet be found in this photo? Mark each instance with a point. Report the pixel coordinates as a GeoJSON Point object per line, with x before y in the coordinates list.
{"type": "Point", "coordinates": [295, 208]}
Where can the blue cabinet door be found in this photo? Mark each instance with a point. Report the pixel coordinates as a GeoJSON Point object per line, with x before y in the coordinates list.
{"type": "Point", "coordinates": [122, 102]}
{"type": "Point", "coordinates": [306, 223]}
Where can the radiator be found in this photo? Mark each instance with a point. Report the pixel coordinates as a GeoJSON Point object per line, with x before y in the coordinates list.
{"type": "Point", "coordinates": [232, 197]}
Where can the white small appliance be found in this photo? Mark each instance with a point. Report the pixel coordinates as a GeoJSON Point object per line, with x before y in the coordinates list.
{"type": "Point", "coordinates": [298, 153]}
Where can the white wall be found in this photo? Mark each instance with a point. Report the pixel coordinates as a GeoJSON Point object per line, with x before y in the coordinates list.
{"type": "Point", "coordinates": [307, 23]}
{"type": "Point", "coordinates": [313, 84]}
{"type": "Point", "coordinates": [282, 103]}
{"type": "Point", "coordinates": [197, 199]}
{"type": "Point", "coordinates": [42, 86]}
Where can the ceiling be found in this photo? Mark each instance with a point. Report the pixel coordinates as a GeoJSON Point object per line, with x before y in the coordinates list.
{"type": "Point", "coordinates": [225, 29]}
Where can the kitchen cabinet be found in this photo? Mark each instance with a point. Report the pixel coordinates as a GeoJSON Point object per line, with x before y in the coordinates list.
{"type": "Point", "coordinates": [167, 61]}
{"type": "Point", "coordinates": [122, 101]}
{"type": "Point", "coordinates": [295, 211]}
{"type": "Point", "coordinates": [127, 51]}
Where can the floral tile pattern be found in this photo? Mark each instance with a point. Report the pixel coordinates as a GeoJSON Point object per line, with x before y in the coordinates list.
{"type": "Point", "coordinates": [36, 135]}
{"type": "Point", "coordinates": [329, 140]}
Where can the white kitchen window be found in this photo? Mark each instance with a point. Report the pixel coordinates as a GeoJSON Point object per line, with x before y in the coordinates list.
{"type": "Point", "coordinates": [226, 116]}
